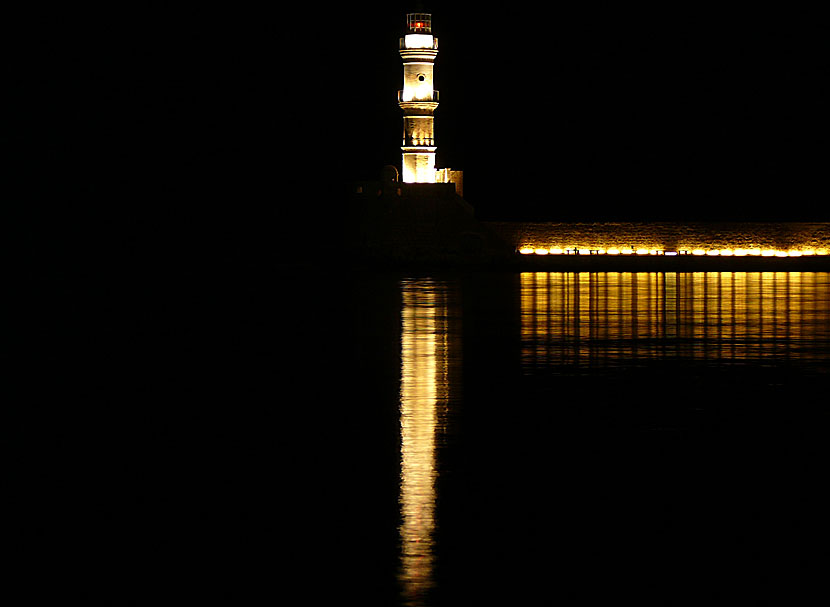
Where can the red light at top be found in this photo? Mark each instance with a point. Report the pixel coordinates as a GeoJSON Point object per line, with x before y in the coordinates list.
{"type": "Point", "coordinates": [419, 22]}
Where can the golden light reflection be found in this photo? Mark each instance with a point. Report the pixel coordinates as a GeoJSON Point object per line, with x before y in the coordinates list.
{"type": "Point", "coordinates": [585, 320]}
{"type": "Point", "coordinates": [423, 402]}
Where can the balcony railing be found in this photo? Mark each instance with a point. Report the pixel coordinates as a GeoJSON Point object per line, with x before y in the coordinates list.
{"type": "Point", "coordinates": [433, 99]}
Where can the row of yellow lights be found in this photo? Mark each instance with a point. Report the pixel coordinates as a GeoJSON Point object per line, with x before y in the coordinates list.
{"type": "Point", "coordinates": [710, 252]}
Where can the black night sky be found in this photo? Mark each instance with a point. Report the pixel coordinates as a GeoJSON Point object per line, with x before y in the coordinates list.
{"type": "Point", "coordinates": [553, 113]}
{"type": "Point", "coordinates": [623, 113]}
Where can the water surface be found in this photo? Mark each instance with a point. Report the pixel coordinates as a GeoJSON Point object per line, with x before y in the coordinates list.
{"type": "Point", "coordinates": [571, 437]}
{"type": "Point", "coordinates": [585, 322]}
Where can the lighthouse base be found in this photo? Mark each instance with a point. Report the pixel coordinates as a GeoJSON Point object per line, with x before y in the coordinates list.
{"type": "Point", "coordinates": [418, 223]}
{"type": "Point", "coordinates": [418, 165]}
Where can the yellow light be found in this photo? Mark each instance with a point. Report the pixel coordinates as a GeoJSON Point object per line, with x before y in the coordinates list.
{"type": "Point", "coordinates": [655, 252]}
{"type": "Point", "coordinates": [754, 252]}
{"type": "Point", "coordinates": [424, 393]}
{"type": "Point", "coordinates": [767, 253]}
{"type": "Point", "coordinates": [526, 250]}
{"type": "Point", "coordinates": [781, 254]}
{"type": "Point", "coordinates": [821, 251]}
{"type": "Point", "coordinates": [540, 251]}
{"type": "Point", "coordinates": [601, 251]}
{"type": "Point", "coordinates": [670, 253]}
{"type": "Point", "coordinates": [642, 251]}
{"type": "Point", "coordinates": [627, 251]}
{"type": "Point", "coordinates": [698, 252]}
{"type": "Point", "coordinates": [808, 252]}
{"type": "Point", "coordinates": [613, 251]}
{"type": "Point", "coordinates": [740, 252]}
{"type": "Point", "coordinates": [556, 251]}
{"type": "Point", "coordinates": [794, 253]}
{"type": "Point", "coordinates": [726, 252]}
{"type": "Point", "coordinates": [584, 251]}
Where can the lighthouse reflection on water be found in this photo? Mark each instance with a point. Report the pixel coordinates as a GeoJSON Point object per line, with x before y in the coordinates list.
{"type": "Point", "coordinates": [567, 323]}
{"type": "Point", "coordinates": [429, 360]}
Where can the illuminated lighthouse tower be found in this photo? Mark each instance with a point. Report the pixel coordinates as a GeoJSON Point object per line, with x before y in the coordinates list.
{"type": "Point", "coordinates": [418, 99]}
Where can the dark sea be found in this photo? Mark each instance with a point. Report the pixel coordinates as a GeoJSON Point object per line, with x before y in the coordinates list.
{"type": "Point", "coordinates": [574, 438]}
{"type": "Point", "coordinates": [318, 435]}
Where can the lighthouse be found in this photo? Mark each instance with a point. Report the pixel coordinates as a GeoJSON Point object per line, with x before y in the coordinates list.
{"type": "Point", "coordinates": [418, 99]}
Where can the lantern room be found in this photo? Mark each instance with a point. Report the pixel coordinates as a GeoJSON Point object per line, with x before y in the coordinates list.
{"type": "Point", "coordinates": [419, 23]}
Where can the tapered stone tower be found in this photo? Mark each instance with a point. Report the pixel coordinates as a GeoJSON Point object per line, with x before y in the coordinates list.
{"type": "Point", "coordinates": [418, 99]}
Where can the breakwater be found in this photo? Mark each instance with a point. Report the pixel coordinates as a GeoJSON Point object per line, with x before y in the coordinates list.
{"type": "Point", "coordinates": [687, 237]}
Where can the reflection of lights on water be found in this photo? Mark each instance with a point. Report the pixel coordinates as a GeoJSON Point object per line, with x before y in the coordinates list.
{"type": "Point", "coordinates": [570, 318]}
{"type": "Point", "coordinates": [424, 348]}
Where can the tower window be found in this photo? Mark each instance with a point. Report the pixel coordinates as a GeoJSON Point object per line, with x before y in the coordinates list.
{"type": "Point", "coordinates": [421, 77]}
